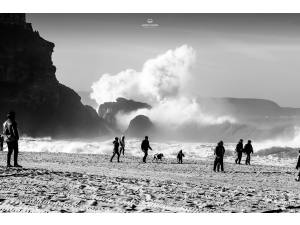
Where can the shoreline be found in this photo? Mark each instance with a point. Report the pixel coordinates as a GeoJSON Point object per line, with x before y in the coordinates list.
{"type": "Point", "coordinates": [228, 158]}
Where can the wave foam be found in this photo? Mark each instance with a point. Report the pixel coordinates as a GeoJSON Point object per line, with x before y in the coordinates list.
{"type": "Point", "coordinates": [283, 156]}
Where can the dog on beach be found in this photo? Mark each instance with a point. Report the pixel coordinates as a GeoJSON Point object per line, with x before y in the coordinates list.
{"type": "Point", "coordinates": [158, 156]}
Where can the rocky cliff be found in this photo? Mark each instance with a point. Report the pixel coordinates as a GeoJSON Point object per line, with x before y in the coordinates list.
{"type": "Point", "coordinates": [28, 85]}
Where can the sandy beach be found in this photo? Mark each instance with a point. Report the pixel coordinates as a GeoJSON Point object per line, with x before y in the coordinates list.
{"type": "Point", "coordinates": [61, 182]}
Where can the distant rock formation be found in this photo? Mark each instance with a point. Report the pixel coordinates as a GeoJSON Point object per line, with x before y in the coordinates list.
{"type": "Point", "coordinates": [109, 110]}
{"type": "Point", "coordinates": [140, 126]}
{"type": "Point", "coordinates": [255, 111]}
{"type": "Point", "coordinates": [256, 119]}
{"type": "Point", "coordinates": [28, 85]}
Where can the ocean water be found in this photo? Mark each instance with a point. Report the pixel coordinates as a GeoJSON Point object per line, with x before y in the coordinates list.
{"type": "Point", "coordinates": [279, 154]}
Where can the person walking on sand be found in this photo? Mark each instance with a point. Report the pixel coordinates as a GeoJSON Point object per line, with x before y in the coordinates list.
{"type": "Point", "coordinates": [298, 167]}
{"type": "Point", "coordinates": [180, 155]}
{"type": "Point", "coordinates": [248, 150]}
{"type": "Point", "coordinates": [11, 137]}
{"type": "Point", "coordinates": [116, 149]}
{"type": "Point", "coordinates": [239, 152]}
{"type": "Point", "coordinates": [122, 145]}
{"type": "Point", "coordinates": [219, 153]}
{"type": "Point", "coordinates": [145, 146]}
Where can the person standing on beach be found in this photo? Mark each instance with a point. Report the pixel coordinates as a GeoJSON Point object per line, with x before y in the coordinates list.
{"type": "Point", "coordinates": [298, 167]}
{"type": "Point", "coordinates": [1, 142]}
{"type": "Point", "coordinates": [239, 152]}
{"type": "Point", "coordinates": [219, 153]}
{"type": "Point", "coordinates": [116, 149]}
{"type": "Point", "coordinates": [122, 145]}
{"type": "Point", "coordinates": [180, 155]}
{"type": "Point", "coordinates": [145, 146]}
{"type": "Point", "coordinates": [11, 136]}
{"type": "Point", "coordinates": [248, 150]}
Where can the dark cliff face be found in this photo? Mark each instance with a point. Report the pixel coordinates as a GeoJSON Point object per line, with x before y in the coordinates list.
{"type": "Point", "coordinates": [109, 110]}
{"type": "Point", "coordinates": [28, 85]}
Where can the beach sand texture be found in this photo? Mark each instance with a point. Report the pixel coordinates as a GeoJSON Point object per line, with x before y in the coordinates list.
{"type": "Point", "coordinates": [61, 182]}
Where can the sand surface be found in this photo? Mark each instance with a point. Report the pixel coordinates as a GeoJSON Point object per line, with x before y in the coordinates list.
{"type": "Point", "coordinates": [58, 182]}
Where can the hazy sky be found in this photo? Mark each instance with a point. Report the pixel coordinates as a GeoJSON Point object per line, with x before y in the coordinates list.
{"type": "Point", "coordinates": [237, 55]}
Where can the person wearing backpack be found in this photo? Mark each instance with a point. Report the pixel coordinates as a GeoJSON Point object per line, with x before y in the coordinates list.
{"type": "Point", "coordinates": [145, 146]}
{"type": "Point", "coordinates": [11, 137]}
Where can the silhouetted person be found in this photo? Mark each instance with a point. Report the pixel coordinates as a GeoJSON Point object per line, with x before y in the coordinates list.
{"type": "Point", "coordinates": [122, 145]}
{"type": "Point", "coordinates": [11, 136]}
{"type": "Point", "coordinates": [239, 151]}
{"type": "Point", "coordinates": [219, 153]}
{"type": "Point", "coordinates": [145, 146]}
{"type": "Point", "coordinates": [248, 149]}
{"type": "Point", "coordinates": [180, 155]}
{"type": "Point", "coordinates": [1, 142]}
{"type": "Point", "coordinates": [298, 167]}
{"type": "Point", "coordinates": [116, 149]}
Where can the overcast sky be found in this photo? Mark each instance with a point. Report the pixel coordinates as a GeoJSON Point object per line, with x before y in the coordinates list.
{"type": "Point", "coordinates": [238, 55]}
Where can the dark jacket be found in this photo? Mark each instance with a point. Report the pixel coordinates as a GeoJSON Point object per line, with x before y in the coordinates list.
{"type": "Point", "coordinates": [239, 147]}
{"type": "Point", "coordinates": [180, 155]}
{"type": "Point", "coordinates": [116, 145]}
{"type": "Point", "coordinates": [145, 145]}
{"type": "Point", "coordinates": [219, 151]}
{"type": "Point", "coordinates": [10, 131]}
{"type": "Point", "coordinates": [248, 148]}
{"type": "Point", "coordinates": [298, 163]}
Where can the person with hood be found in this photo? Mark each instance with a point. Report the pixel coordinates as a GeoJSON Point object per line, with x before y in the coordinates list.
{"type": "Point", "coordinates": [145, 146]}
{"type": "Point", "coordinates": [180, 155]}
{"type": "Point", "coordinates": [219, 153]}
{"type": "Point", "coordinates": [239, 151]}
{"type": "Point", "coordinates": [11, 137]}
{"type": "Point", "coordinates": [298, 167]}
{"type": "Point", "coordinates": [248, 150]}
{"type": "Point", "coordinates": [116, 149]}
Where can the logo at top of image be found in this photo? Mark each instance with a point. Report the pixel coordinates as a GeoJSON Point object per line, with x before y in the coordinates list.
{"type": "Point", "coordinates": [150, 23]}
{"type": "Point", "coordinates": [149, 20]}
